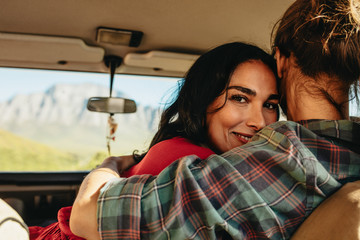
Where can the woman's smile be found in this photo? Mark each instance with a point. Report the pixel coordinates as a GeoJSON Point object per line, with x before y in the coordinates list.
{"type": "Point", "coordinates": [243, 138]}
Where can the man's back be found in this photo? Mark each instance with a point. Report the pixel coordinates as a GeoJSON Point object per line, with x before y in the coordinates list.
{"type": "Point", "coordinates": [236, 192]}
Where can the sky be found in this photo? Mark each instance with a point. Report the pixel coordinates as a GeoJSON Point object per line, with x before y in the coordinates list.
{"type": "Point", "coordinates": [144, 92]}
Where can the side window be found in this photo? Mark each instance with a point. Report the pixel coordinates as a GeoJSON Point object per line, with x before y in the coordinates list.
{"type": "Point", "coordinates": [354, 107]}
{"type": "Point", "coordinates": [45, 125]}
{"type": "Point", "coordinates": [354, 110]}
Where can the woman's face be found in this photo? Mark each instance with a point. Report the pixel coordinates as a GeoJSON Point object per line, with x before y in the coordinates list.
{"type": "Point", "coordinates": [251, 104]}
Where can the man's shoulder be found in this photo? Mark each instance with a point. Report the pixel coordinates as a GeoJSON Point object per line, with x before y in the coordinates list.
{"type": "Point", "coordinates": [279, 132]}
{"type": "Point", "coordinates": [281, 137]}
{"type": "Point", "coordinates": [282, 127]}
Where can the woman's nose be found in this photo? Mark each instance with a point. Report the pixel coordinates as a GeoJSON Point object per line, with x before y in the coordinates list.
{"type": "Point", "coordinates": [256, 120]}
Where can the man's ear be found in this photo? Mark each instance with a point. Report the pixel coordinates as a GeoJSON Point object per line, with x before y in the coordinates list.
{"type": "Point", "coordinates": [280, 62]}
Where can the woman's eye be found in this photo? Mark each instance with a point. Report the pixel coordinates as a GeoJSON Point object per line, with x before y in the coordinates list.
{"type": "Point", "coordinates": [271, 106]}
{"type": "Point", "coordinates": [238, 98]}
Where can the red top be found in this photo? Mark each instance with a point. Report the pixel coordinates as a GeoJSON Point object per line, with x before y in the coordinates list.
{"type": "Point", "coordinates": [159, 157]}
{"type": "Point", "coordinates": [164, 153]}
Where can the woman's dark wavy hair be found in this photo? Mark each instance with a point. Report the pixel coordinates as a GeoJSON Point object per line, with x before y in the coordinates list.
{"type": "Point", "coordinates": [324, 37]}
{"type": "Point", "coordinates": [207, 79]}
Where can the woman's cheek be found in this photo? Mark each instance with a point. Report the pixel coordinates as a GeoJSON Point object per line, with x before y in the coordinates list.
{"type": "Point", "coordinates": [270, 117]}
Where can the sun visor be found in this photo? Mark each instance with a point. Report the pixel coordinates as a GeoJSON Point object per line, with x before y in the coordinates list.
{"type": "Point", "coordinates": [47, 49]}
{"type": "Point", "coordinates": [161, 61]}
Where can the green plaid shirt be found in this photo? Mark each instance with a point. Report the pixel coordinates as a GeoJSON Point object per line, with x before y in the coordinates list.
{"type": "Point", "coordinates": [262, 190]}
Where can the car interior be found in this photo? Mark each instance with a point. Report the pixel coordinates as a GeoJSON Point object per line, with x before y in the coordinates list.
{"type": "Point", "coordinates": [141, 41]}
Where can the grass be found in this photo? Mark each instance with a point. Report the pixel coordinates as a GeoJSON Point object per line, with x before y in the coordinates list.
{"type": "Point", "coordinates": [21, 154]}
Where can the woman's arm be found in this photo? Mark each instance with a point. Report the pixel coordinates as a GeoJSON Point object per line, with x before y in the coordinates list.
{"type": "Point", "coordinates": [83, 219]}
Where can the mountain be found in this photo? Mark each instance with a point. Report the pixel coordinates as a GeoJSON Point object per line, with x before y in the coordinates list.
{"type": "Point", "coordinates": [63, 104]}
{"type": "Point", "coordinates": [59, 118]}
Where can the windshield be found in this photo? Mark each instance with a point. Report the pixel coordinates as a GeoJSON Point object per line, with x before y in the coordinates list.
{"type": "Point", "coordinates": [45, 125]}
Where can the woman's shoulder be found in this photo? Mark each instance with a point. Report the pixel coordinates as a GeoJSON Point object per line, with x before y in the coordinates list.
{"type": "Point", "coordinates": [175, 140]}
{"type": "Point", "coordinates": [179, 146]}
{"type": "Point", "coordinates": [164, 153]}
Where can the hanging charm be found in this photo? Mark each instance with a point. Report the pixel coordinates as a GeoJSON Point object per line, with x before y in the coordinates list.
{"type": "Point", "coordinates": [112, 127]}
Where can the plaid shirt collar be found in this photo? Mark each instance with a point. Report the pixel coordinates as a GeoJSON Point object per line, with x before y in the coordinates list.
{"type": "Point", "coordinates": [340, 130]}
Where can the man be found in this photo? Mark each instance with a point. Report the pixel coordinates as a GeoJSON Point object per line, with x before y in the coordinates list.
{"type": "Point", "coordinates": [266, 188]}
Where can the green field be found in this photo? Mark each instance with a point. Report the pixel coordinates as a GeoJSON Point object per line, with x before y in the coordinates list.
{"type": "Point", "coordinates": [20, 154]}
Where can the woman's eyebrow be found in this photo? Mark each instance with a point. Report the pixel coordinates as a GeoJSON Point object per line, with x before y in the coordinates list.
{"type": "Point", "coordinates": [244, 90]}
{"type": "Point", "coordinates": [253, 92]}
{"type": "Point", "coordinates": [274, 97]}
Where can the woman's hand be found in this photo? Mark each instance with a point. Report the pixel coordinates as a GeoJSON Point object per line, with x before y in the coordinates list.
{"type": "Point", "coordinates": [83, 220]}
{"type": "Point", "coordinates": [123, 162]}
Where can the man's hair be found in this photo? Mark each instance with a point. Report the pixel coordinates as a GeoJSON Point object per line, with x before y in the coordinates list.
{"type": "Point", "coordinates": [324, 38]}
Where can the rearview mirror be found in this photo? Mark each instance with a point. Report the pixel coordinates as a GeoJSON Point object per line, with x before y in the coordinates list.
{"type": "Point", "coordinates": [111, 105]}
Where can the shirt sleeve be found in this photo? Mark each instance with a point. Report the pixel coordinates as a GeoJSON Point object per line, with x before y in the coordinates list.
{"type": "Point", "coordinates": [250, 192]}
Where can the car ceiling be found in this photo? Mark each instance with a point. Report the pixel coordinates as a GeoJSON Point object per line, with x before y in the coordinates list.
{"type": "Point", "coordinates": [186, 26]}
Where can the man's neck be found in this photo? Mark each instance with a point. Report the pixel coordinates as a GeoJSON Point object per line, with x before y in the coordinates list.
{"type": "Point", "coordinates": [307, 102]}
{"type": "Point", "coordinates": [309, 98]}
{"type": "Point", "coordinates": [308, 108]}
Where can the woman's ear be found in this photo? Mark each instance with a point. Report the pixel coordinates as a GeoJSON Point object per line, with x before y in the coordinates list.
{"type": "Point", "coordinates": [280, 62]}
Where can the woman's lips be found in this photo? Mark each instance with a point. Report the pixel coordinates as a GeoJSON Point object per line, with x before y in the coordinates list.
{"type": "Point", "coordinates": [244, 138]}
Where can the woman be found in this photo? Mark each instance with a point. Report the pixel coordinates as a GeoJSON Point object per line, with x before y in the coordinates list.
{"type": "Point", "coordinates": [264, 189]}
{"type": "Point", "coordinates": [228, 95]}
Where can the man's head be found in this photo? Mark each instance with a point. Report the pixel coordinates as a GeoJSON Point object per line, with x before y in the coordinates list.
{"type": "Point", "coordinates": [323, 37]}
